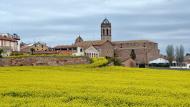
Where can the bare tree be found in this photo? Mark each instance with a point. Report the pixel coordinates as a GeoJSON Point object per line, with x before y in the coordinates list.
{"type": "Point", "coordinates": [170, 53]}
{"type": "Point", "coordinates": [180, 51]}
{"type": "Point", "coordinates": [177, 54]}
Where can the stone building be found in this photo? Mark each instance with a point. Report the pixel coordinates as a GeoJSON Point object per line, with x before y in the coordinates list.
{"type": "Point", "coordinates": [38, 47]}
{"type": "Point", "coordinates": [129, 63]}
{"type": "Point", "coordinates": [11, 42]}
{"type": "Point", "coordinates": [145, 50]}
{"type": "Point", "coordinates": [98, 48]}
{"type": "Point", "coordinates": [69, 50]}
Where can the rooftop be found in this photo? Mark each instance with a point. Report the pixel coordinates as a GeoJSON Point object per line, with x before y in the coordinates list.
{"type": "Point", "coordinates": [9, 37]}
{"type": "Point", "coordinates": [133, 41]}
{"type": "Point", "coordinates": [105, 21]}
{"type": "Point", "coordinates": [86, 44]}
{"type": "Point", "coordinates": [66, 46]}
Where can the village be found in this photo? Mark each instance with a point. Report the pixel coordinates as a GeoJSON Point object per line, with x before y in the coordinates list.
{"type": "Point", "coordinates": [133, 53]}
{"type": "Point", "coordinates": [94, 53]}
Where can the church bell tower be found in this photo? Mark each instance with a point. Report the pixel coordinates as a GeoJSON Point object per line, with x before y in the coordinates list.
{"type": "Point", "coordinates": [106, 30]}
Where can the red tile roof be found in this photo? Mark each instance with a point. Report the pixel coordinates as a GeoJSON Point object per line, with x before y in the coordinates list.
{"type": "Point", "coordinates": [7, 38]}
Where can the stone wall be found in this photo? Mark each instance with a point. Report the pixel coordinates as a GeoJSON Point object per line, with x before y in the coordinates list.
{"type": "Point", "coordinates": [143, 55]}
{"type": "Point", "coordinates": [145, 50]}
{"type": "Point", "coordinates": [106, 49]}
{"type": "Point", "coordinates": [43, 61]}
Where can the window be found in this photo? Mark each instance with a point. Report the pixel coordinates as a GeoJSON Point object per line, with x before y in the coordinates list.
{"type": "Point", "coordinates": [144, 44]}
{"type": "Point", "coordinates": [81, 50]}
{"type": "Point", "coordinates": [107, 32]}
{"type": "Point", "coordinates": [103, 31]}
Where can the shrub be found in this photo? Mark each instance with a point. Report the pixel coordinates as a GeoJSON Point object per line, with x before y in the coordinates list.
{"type": "Point", "coordinates": [98, 62]}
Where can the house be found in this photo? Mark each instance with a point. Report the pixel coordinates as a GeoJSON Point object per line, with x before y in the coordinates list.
{"type": "Point", "coordinates": [92, 52]}
{"type": "Point", "coordinates": [159, 61]}
{"type": "Point", "coordinates": [26, 48]}
{"type": "Point", "coordinates": [37, 47]}
{"type": "Point", "coordinates": [10, 41]}
{"type": "Point", "coordinates": [129, 63]}
{"type": "Point", "coordinates": [69, 50]}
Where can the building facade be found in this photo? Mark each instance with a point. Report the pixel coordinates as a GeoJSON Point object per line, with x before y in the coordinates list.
{"type": "Point", "coordinates": [145, 50]}
{"type": "Point", "coordinates": [40, 46]}
{"type": "Point", "coordinates": [37, 47]}
{"type": "Point", "coordinates": [11, 42]}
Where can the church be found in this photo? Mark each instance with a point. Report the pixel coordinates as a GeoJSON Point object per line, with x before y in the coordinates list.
{"type": "Point", "coordinates": [145, 50]}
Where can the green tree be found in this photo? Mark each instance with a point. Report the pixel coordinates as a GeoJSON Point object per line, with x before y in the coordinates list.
{"type": "Point", "coordinates": [32, 51]}
{"type": "Point", "coordinates": [170, 53]}
{"type": "Point", "coordinates": [133, 55]}
{"type": "Point", "coordinates": [1, 52]}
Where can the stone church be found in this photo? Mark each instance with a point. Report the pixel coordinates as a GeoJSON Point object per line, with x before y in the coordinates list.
{"type": "Point", "coordinates": [145, 50]}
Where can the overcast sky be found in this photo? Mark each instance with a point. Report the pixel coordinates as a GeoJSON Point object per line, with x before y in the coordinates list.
{"type": "Point", "coordinates": [61, 21]}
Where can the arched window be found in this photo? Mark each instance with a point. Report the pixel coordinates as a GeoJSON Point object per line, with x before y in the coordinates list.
{"type": "Point", "coordinates": [107, 32]}
{"type": "Point", "coordinates": [103, 31]}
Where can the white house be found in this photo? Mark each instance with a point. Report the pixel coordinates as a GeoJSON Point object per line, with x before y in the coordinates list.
{"type": "Point", "coordinates": [79, 52]}
{"type": "Point", "coordinates": [92, 52]}
{"type": "Point", "coordinates": [10, 41]}
{"type": "Point", "coordinates": [159, 61]}
{"type": "Point", "coordinates": [70, 49]}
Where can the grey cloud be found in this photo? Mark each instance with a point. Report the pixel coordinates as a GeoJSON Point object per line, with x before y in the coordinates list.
{"type": "Point", "coordinates": [60, 21]}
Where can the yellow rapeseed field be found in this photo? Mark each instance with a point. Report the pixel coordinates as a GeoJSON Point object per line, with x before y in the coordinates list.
{"type": "Point", "coordinates": [93, 86]}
